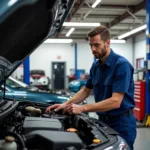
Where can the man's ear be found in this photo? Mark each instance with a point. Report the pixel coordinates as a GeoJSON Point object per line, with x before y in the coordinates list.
{"type": "Point", "coordinates": [108, 41]}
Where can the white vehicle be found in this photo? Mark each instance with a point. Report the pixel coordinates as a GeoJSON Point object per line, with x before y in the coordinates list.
{"type": "Point", "coordinates": [38, 79]}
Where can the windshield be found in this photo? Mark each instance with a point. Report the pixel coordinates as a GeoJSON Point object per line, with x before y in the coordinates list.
{"type": "Point", "coordinates": [15, 83]}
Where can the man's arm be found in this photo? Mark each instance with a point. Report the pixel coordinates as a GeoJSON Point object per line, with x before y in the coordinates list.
{"type": "Point", "coordinates": [105, 105]}
{"type": "Point", "coordinates": [79, 96]}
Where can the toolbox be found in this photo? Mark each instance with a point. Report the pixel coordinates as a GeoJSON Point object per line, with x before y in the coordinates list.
{"type": "Point", "coordinates": [139, 98]}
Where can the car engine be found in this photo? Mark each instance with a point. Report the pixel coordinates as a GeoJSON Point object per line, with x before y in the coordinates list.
{"type": "Point", "coordinates": [26, 126]}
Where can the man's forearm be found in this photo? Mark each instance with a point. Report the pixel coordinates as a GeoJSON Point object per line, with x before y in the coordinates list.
{"type": "Point", "coordinates": [79, 96]}
{"type": "Point", "coordinates": [102, 106]}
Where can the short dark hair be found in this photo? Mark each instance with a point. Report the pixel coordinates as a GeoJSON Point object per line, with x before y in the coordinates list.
{"type": "Point", "coordinates": [102, 30]}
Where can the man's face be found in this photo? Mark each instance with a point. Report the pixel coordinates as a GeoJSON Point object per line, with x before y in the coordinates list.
{"type": "Point", "coordinates": [98, 46]}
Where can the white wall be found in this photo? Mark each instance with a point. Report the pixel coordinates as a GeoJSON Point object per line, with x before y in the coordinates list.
{"type": "Point", "coordinates": [140, 47]}
{"type": "Point", "coordinates": [126, 50]}
{"type": "Point", "coordinates": [42, 57]}
{"type": "Point", "coordinates": [85, 56]}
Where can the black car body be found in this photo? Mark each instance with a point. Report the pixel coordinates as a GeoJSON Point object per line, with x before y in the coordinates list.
{"type": "Point", "coordinates": [24, 25]}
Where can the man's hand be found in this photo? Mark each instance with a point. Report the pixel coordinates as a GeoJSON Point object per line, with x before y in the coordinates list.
{"type": "Point", "coordinates": [74, 109]}
{"type": "Point", "coordinates": [56, 107]}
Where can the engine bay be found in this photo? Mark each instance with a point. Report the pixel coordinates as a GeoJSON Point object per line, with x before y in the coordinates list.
{"type": "Point", "coordinates": [31, 128]}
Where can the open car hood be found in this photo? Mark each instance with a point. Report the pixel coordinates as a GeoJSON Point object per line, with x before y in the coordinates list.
{"type": "Point", "coordinates": [24, 25]}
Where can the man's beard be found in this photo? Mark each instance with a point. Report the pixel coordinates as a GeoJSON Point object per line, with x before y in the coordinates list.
{"type": "Point", "coordinates": [98, 55]}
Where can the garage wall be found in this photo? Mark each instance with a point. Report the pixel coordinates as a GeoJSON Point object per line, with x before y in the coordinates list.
{"type": "Point", "coordinates": [140, 47]}
{"type": "Point", "coordinates": [126, 50]}
{"type": "Point", "coordinates": [85, 56]}
{"type": "Point", "coordinates": [42, 57]}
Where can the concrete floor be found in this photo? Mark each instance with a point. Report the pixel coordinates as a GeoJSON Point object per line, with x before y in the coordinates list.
{"type": "Point", "coordinates": [142, 141]}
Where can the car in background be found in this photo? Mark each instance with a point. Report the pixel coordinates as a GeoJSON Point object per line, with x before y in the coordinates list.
{"type": "Point", "coordinates": [16, 89]}
{"type": "Point", "coordinates": [39, 79]}
{"type": "Point", "coordinates": [76, 85]}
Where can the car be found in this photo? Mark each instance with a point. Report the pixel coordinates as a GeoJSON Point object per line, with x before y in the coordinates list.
{"type": "Point", "coordinates": [76, 85]}
{"type": "Point", "coordinates": [24, 25]}
{"type": "Point", "coordinates": [39, 79]}
{"type": "Point", "coordinates": [16, 89]}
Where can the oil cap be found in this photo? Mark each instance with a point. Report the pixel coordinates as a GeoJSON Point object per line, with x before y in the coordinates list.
{"type": "Point", "coordinates": [72, 130]}
{"type": "Point", "coordinates": [9, 143]}
{"type": "Point", "coordinates": [96, 141]}
{"type": "Point", "coordinates": [9, 138]}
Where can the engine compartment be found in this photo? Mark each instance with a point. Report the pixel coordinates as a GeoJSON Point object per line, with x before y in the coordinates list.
{"type": "Point", "coordinates": [32, 128]}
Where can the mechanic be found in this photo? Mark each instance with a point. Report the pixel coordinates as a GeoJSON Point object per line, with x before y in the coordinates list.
{"type": "Point", "coordinates": [111, 78]}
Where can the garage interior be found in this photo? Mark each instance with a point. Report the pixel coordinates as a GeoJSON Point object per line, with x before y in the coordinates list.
{"type": "Point", "coordinates": [128, 21]}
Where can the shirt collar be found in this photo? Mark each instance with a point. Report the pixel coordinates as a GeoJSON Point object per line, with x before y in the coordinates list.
{"type": "Point", "coordinates": [108, 60]}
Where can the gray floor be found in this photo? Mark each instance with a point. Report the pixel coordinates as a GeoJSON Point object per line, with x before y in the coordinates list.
{"type": "Point", "coordinates": [142, 141]}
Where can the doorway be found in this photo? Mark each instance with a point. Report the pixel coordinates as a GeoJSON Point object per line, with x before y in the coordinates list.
{"type": "Point", "coordinates": [58, 75]}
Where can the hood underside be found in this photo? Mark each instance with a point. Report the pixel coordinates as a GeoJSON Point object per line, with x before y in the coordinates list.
{"type": "Point", "coordinates": [24, 25]}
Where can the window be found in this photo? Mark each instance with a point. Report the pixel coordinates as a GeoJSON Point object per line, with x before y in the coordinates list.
{"type": "Point", "coordinates": [139, 63]}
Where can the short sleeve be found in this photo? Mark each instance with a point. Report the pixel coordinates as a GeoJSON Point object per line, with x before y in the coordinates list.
{"type": "Point", "coordinates": [89, 79]}
{"type": "Point", "coordinates": [123, 75]}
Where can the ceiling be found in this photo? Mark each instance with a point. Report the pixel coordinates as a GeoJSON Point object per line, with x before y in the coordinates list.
{"type": "Point", "coordinates": [120, 16]}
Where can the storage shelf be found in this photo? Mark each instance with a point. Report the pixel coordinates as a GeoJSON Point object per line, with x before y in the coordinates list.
{"type": "Point", "coordinates": [139, 98]}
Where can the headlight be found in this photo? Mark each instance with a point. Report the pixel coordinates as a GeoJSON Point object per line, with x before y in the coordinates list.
{"type": "Point", "coordinates": [43, 80]}
{"type": "Point", "coordinates": [120, 145]}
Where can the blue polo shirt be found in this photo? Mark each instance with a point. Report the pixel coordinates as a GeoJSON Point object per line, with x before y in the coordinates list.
{"type": "Point", "coordinates": [116, 75]}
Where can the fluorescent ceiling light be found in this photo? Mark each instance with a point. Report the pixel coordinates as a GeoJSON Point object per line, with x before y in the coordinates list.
{"type": "Point", "coordinates": [80, 24]}
{"type": "Point", "coordinates": [132, 32]}
{"type": "Point", "coordinates": [58, 41]}
{"type": "Point", "coordinates": [96, 3]}
{"type": "Point", "coordinates": [70, 31]}
{"type": "Point", "coordinates": [117, 41]}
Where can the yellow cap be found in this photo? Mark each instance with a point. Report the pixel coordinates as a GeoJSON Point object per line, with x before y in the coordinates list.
{"type": "Point", "coordinates": [37, 110]}
{"type": "Point", "coordinates": [96, 141]}
{"type": "Point", "coordinates": [72, 130]}
{"type": "Point", "coordinates": [9, 138]}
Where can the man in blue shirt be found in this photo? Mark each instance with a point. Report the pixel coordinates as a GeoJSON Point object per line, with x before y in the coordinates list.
{"type": "Point", "coordinates": [111, 78]}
